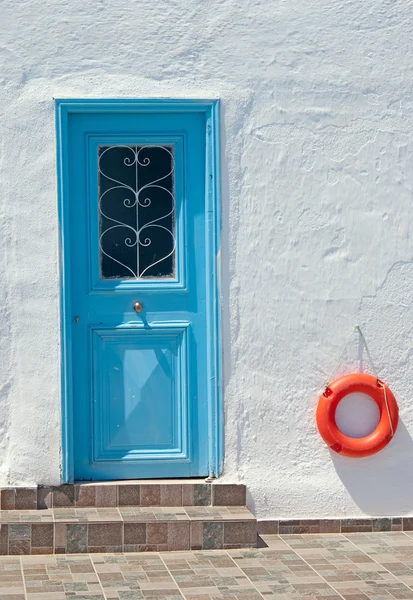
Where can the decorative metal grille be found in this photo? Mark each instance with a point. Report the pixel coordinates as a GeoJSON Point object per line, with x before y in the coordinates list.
{"type": "Point", "coordinates": [137, 212]}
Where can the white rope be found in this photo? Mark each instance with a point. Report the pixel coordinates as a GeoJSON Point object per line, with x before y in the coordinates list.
{"type": "Point", "coordinates": [357, 329]}
{"type": "Point", "coordinates": [363, 339]}
{"type": "Point", "coordinates": [380, 383]}
{"type": "Point", "coordinates": [340, 357]}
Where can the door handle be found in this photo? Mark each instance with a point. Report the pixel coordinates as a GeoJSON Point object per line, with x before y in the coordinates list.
{"type": "Point", "coordinates": [138, 307]}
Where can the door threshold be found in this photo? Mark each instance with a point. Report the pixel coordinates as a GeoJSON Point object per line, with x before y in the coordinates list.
{"type": "Point", "coordinates": [145, 481]}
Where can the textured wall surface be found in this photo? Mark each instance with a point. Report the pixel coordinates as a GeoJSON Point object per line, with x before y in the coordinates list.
{"type": "Point", "coordinates": [317, 179]}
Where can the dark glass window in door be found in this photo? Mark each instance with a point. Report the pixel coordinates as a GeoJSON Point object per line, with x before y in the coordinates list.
{"type": "Point", "coordinates": [136, 212]}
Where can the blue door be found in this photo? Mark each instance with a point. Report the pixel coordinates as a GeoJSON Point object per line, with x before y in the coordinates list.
{"type": "Point", "coordinates": [140, 305]}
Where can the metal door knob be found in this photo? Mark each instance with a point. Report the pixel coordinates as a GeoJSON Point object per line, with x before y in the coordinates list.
{"type": "Point", "coordinates": [138, 307]}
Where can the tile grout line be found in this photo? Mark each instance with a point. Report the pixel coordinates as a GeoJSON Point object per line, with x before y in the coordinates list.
{"type": "Point", "coordinates": [169, 572]}
{"type": "Point", "coordinates": [97, 576]}
{"type": "Point", "coordinates": [24, 582]}
{"type": "Point", "coordinates": [122, 531]}
{"type": "Point", "coordinates": [311, 567]}
{"type": "Point", "coordinates": [54, 536]}
{"type": "Point", "coordinates": [375, 561]}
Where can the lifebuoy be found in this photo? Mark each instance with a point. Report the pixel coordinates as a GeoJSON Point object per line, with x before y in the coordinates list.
{"type": "Point", "coordinates": [326, 411]}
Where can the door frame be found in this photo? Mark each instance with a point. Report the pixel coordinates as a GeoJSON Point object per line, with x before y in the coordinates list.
{"type": "Point", "coordinates": [63, 108]}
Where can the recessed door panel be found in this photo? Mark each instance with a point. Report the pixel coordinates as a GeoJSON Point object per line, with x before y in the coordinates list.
{"type": "Point", "coordinates": [140, 393]}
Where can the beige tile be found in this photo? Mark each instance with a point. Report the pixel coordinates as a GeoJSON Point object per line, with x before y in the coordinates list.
{"type": "Point", "coordinates": [179, 536]}
{"type": "Point", "coordinates": [187, 494]}
{"type": "Point", "coordinates": [134, 533]}
{"type": "Point", "coordinates": [106, 495]}
{"type": "Point", "coordinates": [19, 546]}
{"type": "Point", "coordinates": [136, 513]}
{"type": "Point", "coordinates": [267, 527]}
{"type": "Point", "coordinates": [157, 533]}
{"type": "Point", "coordinates": [4, 539]}
{"type": "Point", "coordinates": [330, 526]}
{"type": "Point", "coordinates": [8, 499]}
{"type": "Point", "coordinates": [171, 495]}
{"type": "Point", "coordinates": [26, 516]}
{"type": "Point", "coordinates": [60, 535]}
{"type": "Point", "coordinates": [25, 499]}
{"type": "Point", "coordinates": [85, 495]}
{"type": "Point", "coordinates": [240, 533]}
{"type": "Point", "coordinates": [86, 515]}
{"type": "Point", "coordinates": [64, 495]}
{"type": "Point", "coordinates": [196, 532]}
{"type": "Point", "coordinates": [42, 535]}
{"type": "Point", "coordinates": [129, 495]}
{"type": "Point", "coordinates": [105, 534]}
{"type": "Point", "coordinates": [150, 495]}
{"type": "Point", "coordinates": [219, 513]}
{"type": "Point", "coordinates": [228, 495]}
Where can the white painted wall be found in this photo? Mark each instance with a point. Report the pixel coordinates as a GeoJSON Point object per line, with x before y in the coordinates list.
{"type": "Point", "coordinates": [317, 146]}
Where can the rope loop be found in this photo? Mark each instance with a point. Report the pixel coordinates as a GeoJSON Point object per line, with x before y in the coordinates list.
{"type": "Point", "coordinates": [386, 402]}
{"type": "Point", "coordinates": [380, 383]}
{"type": "Point", "coordinates": [357, 329]}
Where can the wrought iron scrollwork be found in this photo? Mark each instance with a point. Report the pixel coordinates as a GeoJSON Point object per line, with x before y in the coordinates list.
{"type": "Point", "coordinates": [137, 211]}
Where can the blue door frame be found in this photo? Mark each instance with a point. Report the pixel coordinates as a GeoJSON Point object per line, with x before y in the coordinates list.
{"type": "Point", "coordinates": [208, 110]}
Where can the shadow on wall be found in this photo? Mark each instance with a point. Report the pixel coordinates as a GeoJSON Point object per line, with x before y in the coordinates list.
{"type": "Point", "coordinates": [381, 485]}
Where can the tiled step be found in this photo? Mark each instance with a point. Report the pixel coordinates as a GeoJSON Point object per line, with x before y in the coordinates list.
{"type": "Point", "coordinates": [126, 529]}
{"type": "Point", "coordinates": [125, 493]}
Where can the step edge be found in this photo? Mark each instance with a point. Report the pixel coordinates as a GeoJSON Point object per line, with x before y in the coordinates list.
{"type": "Point", "coordinates": [116, 494]}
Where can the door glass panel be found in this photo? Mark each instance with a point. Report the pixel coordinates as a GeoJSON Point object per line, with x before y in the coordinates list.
{"type": "Point", "coordinates": [136, 212]}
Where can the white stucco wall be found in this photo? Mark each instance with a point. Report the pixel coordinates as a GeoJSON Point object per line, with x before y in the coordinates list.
{"type": "Point", "coordinates": [317, 180]}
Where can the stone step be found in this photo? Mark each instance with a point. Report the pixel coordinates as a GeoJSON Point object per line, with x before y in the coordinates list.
{"type": "Point", "coordinates": [73, 530]}
{"type": "Point", "coordinates": [187, 492]}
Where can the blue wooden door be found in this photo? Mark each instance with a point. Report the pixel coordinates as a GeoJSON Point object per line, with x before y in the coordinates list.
{"type": "Point", "coordinates": [139, 261]}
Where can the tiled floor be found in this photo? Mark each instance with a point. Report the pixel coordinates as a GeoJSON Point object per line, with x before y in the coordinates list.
{"type": "Point", "coordinates": [358, 566]}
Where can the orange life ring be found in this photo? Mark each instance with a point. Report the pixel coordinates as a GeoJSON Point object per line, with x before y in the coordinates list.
{"type": "Point", "coordinates": [326, 411]}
